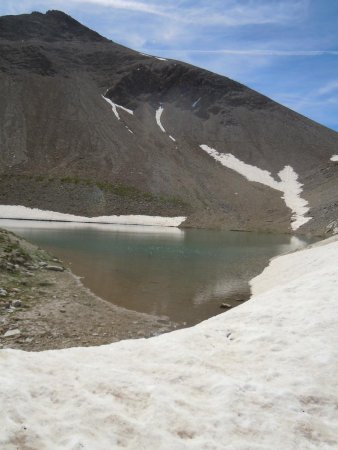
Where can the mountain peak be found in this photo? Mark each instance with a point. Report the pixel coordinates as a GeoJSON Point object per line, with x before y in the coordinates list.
{"type": "Point", "coordinates": [54, 25]}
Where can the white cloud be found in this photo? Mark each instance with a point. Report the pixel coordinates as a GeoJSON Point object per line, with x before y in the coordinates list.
{"type": "Point", "coordinates": [328, 88]}
{"type": "Point", "coordinates": [143, 7]}
{"type": "Point", "coordinates": [239, 13]}
{"type": "Point", "coordinates": [229, 13]}
{"type": "Point", "coordinates": [260, 52]}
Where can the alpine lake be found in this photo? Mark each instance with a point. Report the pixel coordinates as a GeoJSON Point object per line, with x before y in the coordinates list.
{"type": "Point", "coordinates": [183, 275]}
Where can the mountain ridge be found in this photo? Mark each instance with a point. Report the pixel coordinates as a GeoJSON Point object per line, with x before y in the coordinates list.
{"type": "Point", "coordinates": [53, 25]}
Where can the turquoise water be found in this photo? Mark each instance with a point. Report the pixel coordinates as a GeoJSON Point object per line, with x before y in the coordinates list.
{"type": "Point", "coordinates": [182, 275]}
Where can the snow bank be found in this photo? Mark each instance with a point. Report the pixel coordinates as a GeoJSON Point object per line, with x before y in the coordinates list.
{"type": "Point", "coordinates": [261, 376]}
{"type": "Point", "coordinates": [16, 225]}
{"type": "Point", "coordinates": [289, 184]}
{"type": "Point", "coordinates": [334, 158]}
{"type": "Point", "coordinates": [22, 212]}
{"type": "Point", "coordinates": [115, 106]}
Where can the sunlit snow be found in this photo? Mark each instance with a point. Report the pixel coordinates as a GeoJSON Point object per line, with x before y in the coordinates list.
{"type": "Point", "coordinates": [151, 56]}
{"type": "Point", "coordinates": [288, 184]}
{"type": "Point", "coordinates": [115, 106]}
{"type": "Point", "coordinates": [334, 158]}
{"type": "Point", "coordinates": [22, 212]}
{"type": "Point", "coordinates": [158, 115]}
{"type": "Point", "coordinates": [261, 376]}
{"type": "Point", "coordinates": [129, 129]}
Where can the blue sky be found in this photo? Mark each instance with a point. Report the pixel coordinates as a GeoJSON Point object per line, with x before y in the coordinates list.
{"type": "Point", "coordinates": [285, 49]}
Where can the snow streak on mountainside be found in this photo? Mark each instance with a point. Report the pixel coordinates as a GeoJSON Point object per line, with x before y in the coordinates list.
{"type": "Point", "coordinates": [158, 115]}
{"type": "Point", "coordinates": [258, 376]}
{"type": "Point", "coordinates": [115, 106]}
{"type": "Point", "coordinates": [289, 183]}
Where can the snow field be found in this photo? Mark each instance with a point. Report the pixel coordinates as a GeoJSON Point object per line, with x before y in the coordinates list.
{"type": "Point", "coordinates": [172, 232]}
{"type": "Point", "coordinates": [22, 212]}
{"type": "Point", "coordinates": [334, 158]}
{"type": "Point", "coordinates": [261, 376]}
{"type": "Point", "coordinates": [289, 184]}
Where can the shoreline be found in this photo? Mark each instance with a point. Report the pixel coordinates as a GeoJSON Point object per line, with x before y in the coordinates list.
{"type": "Point", "coordinates": [23, 213]}
{"type": "Point", "coordinates": [58, 311]}
{"type": "Point", "coordinates": [54, 309]}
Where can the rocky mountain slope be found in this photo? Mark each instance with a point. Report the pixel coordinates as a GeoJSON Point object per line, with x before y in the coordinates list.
{"type": "Point", "coordinates": [92, 128]}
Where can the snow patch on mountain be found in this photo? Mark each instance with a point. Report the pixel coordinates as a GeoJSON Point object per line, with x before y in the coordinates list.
{"type": "Point", "coordinates": [158, 115]}
{"type": "Point", "coordinates": [251, 173]}
{"type": "Point", "coordinates": [196, 102]}
{"type": "Point", "coordinates": [129, 129]}
{"type": "Point", "coordinates": [334, 158]}
{"type": "Point", "coordinates": [22, 212]}
{"type": "Point", "coordinates": [292, 188]}
{"type": "Point", "coordinates": [115, 106]}
{"type": "Point", "coordinates": [289, 184]}
{"type": "Point", "coordinates": [14, 224]}
{"type": "Point", "coordinates": [261, 376]}
{"type": "Point", "coordinates": [151, 56]}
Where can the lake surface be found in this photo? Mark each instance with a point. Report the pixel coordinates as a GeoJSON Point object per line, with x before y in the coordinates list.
{"type": "Point", "coordinates": [183, 275]}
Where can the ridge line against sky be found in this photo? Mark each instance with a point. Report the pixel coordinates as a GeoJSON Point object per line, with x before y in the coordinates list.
{"type": "Point", "coordinates": [287, 50]}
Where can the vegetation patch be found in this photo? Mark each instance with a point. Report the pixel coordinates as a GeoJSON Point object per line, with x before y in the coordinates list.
{"type": "Point", "coordinates": [119, 189]}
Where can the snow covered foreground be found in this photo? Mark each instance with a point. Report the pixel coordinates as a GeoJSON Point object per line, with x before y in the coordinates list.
{"type": "Point", "coordinates": [261, 376]}
{"type": "Point", "coordinates": [22, 212]}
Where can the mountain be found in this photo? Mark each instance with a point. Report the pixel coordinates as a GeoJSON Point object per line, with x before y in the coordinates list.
{"type": "Point", "coordinates": [90, 127]}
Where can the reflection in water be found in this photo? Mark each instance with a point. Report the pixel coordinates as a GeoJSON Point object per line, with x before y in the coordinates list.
{"type": "Point", "coordinates": [184, 275]}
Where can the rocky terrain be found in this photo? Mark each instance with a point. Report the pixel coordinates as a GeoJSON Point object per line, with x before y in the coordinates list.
{"type": "Point", "coordinates": [44, 306]}
{"type": "Point", "coordinates": [90, 127]}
